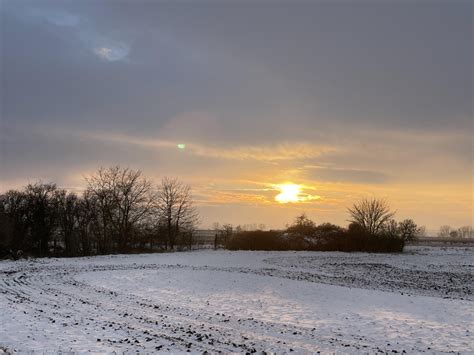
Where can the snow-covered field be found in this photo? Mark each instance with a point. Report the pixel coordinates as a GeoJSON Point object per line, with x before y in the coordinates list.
{"type": "Point", "coordinates": [418, 301]}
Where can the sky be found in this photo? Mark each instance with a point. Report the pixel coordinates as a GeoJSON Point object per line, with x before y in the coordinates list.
{"type": "Point", "coordinates": [347, 100]}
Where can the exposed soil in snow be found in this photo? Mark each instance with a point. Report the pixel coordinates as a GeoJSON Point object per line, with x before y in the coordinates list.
{"type": "Point", "coordinates": [416, 272]}
{"type": "Point", "coordinates": [214, 301]}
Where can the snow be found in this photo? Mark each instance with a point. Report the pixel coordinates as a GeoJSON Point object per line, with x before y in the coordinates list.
{"type": "Point", "coordinates": [417, 301]}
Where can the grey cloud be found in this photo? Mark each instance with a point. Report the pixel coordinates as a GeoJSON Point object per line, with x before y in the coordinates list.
{"type": "Point", "coordinates": [380, 65]}
{"type": "Point", "coordinates": [266, 73]}
{"type": "Point", "coordinates": [56, 17]}
{"type": "Point", "coordinates": [386, 64]}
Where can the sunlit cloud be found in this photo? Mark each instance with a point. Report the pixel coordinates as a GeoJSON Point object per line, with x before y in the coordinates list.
{"type": "Point", "coordinates": [258, 195]}
{"type": "Point", "coordinates": [108, 48]}
{"type": "Point", "coordinates": [340, 174]}
{"type": "Point", "coordinates": [218, 197]}
{"type": "Point", "coordinates": [294, 193]}
{"type": "Point", "coordinates": [288, 193]}
{"type": "Point", "coordinates": [112, 53]}
{"type": "Point", "coordinates": [275, 152]}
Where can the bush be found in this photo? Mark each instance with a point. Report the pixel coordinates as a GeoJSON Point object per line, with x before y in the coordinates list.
{"type": "Point", "coordinates": [327, 237]}
{"type": "Point", "coordinates": [257, 240]}
{"type": "Point", "coordinates": [358, 238]}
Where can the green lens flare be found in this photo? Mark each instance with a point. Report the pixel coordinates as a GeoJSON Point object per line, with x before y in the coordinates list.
{"type": "Point", "coordinates": [181, 146]}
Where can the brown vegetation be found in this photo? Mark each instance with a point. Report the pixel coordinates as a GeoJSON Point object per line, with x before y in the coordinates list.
{"type": "Point", "coordinates": [372, 229]}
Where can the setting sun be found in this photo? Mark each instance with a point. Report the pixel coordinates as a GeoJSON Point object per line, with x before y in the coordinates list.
{"type": "Point", "coordinates": [288, 193]}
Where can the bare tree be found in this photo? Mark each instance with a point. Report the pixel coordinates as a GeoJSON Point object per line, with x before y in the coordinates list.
{"type": "Point", "coordinates": [302, 227]}
{"type": "Point", "coordinates": [391, 229]}
{"type": "Point", "coordinates": [371, 214]}
{"type": "Point", "coordinates": [227, 229]}
{"type": "Point", "coordinates": [444, 231]}
{"type": "Point", "coordinates": [41, 214]}
{"type": "Point", "coordinates": [99, 194]}
{"type": "Point", "coordinates": [13, 205]}
{"type": "Point", "coordinates": [119, 210]}
{"type": "Point", "coordinates": [134, 198]}
{"type": "Point", "coordinates": [176, 210]}
{"type": "Point", "coordinates": [68, 204]}
{"type": "Point", "coordinates": [224, 233]}
{"type": "Point", "coordinates": [465, 232]}
{"type": "Point", "coordinates": [124, 197]}
{"type": "Point", "coordinates": [88, 223]}
{"type": "Point", "coordinates": [421, 232]}
{"type": "Point", "coordinates": [408, 229]}
{"type": "Point", "coordinates": [6, 233]}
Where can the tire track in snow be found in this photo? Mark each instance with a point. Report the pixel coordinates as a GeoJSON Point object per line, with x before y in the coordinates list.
{"type": "Point", "coordinates": [52, 294]}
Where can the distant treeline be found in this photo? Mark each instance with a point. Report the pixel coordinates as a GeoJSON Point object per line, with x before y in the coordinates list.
{"type": "Point", "coordinates": [461, 232]}
{"type": "Point", "coordinates": [119, 211]}
{"type": "Point", "coordinates": [372, 229]}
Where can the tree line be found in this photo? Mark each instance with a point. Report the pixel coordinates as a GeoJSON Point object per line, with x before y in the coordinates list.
{"type": "Point", "coordinates": [461, 232]}
{"type": "Point", "coordinates": [372, 228]}
{"type": "Point", "coordinates": [120, 210]}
